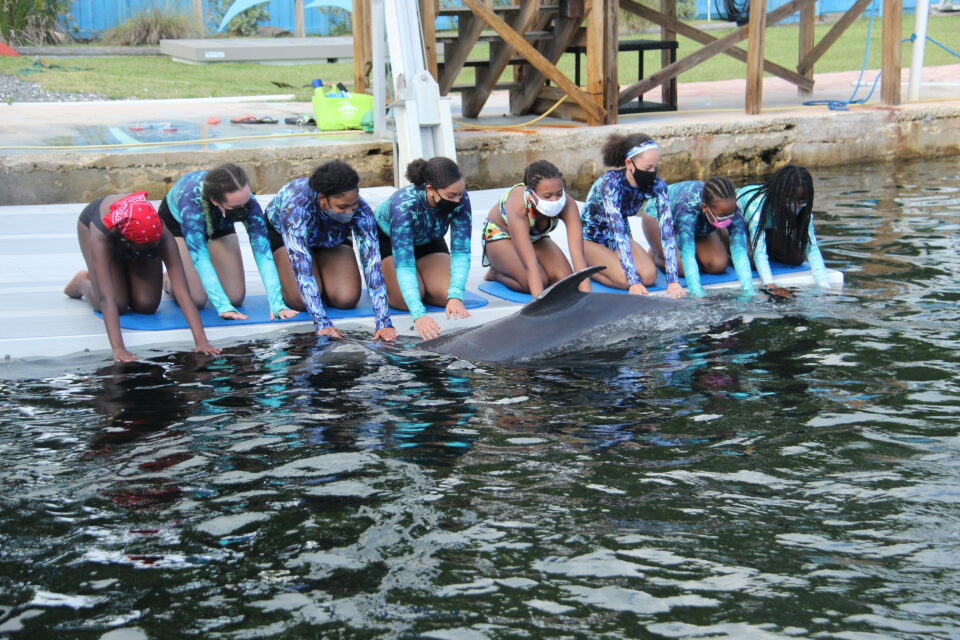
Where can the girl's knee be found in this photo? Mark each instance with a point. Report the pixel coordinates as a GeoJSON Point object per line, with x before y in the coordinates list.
{"type": "Point", "coordinates": [344, 299]}
{"type": "Point", "coordinates": [715, 264]}
{"type": "Point", "coordinates": [294, 302]}
{"type": "Point", "coordinates": [145, 306]}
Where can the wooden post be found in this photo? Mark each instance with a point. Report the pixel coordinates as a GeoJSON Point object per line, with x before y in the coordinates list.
{"type": "Point", "coordinates": [808, 18]}
{"type": "Point", "coordinates": [198, 16]}
{"type": "Point", "coordinates": [536, 59]}
{"type": "Point", "coordinates": [362, 49]}
{"type": "Point", "coordinates": [299, 26]}
{"type": "Point", "coordinates": [602, 35]}
{"type": "Point", "coordinates": [890, 58]}
{"type": "Point", "coordinates": [755, 34]}
{"type": "Point", "coordinates": [428, 17]}
{"type": "Point", "coordinates": [668, 90]}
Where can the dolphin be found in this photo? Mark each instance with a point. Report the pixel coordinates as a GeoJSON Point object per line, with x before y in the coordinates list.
{"type": "Point", "coordinates": [557, 317]}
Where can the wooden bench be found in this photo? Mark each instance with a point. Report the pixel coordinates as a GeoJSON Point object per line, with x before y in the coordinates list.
{"type": "Point", "coordinates": [669, 102]}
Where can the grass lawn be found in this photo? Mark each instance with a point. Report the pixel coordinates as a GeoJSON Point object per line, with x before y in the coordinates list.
{"type": "Point", "coordinates": [159, 77]}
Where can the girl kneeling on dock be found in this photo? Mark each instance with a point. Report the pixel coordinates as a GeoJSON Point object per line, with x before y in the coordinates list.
{"type": "Point", "coordinates": [126, 247]}
{"type": "Point", "coordinates": [704, 213]}
{"type": "Point", "coordinates": [201, 210]}
{"type": "Point", "coordinates": [615, 196]}
{"type": "Point", "coordinates": [779, 217]}
{"type": "Point", "coordinates": [417, 265]}
{"type": "Point", "coordinates": [516, 237]}
{"type": "Point", "coordinates": [312, 223]}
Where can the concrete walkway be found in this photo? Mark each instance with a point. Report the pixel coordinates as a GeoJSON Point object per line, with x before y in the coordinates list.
{"type": "Point", "coordinates": [108, 122]}
{"type": "Point", "coordinates": [709, 135]}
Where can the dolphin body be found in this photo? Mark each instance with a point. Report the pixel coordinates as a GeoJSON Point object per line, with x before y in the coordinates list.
{"type": "Point", "coordinates": [558, 316]}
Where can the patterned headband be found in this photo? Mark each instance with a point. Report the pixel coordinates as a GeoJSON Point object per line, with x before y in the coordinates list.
{"type": "Point", "coordinates": [640, 148]}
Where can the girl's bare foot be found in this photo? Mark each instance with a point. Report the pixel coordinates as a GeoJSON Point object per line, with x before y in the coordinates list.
{"type": "Point", "coordinates": [489, 275]}
{"type": "Point", "coordinates": [74, 288]}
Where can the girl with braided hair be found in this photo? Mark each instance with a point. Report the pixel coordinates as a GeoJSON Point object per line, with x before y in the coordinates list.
{"type": "Point", "coordinates": [312, 223]}
{"type": "Point", "coordinates": [616, 195]}
{"type": "Point", "coordinates": [201, 210]}
{"type": "Point", "coordinates": [779, 216]}
{"type": "Point", "coordinates": [516, 237]}
{"type": "Point", "coordinates": [700, 211]}
{"type": "Point", "coordinates": [126, 246]}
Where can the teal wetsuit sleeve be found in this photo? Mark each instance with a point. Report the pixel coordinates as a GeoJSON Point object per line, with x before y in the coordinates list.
{"type": "Point", "coordinates": [815, 259]}
{"type": "Point", "coordinates": [620, 229]}
{"type": "Point", "coordinates": [460, 248]}
{"type": "Point", "coordinates": [740, 254]}
{"type": "Point", "coordinates": [256, 225]}
{"type": "Point", "coordinates": [193, 225]}
{"type": "Point", "coordinates": [752, 214]}
{"type": "Point", "coordinates": [665, 225]}
{"type": "Point", "coordinates": [401, 241]}
{"type": "Point", "coordinates": [685, 226]}
{"type": "Point", "coordinates": [365, 230]}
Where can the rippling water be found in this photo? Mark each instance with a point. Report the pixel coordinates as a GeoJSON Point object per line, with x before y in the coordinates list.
{"type": "Point", "coordinates": [788, 470]}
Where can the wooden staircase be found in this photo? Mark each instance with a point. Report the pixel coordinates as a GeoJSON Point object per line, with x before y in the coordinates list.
{"type": "Point", "coordinates": [539, 22]}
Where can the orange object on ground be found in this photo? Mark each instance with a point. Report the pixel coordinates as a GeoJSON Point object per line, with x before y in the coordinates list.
{"type": "Point", "coordinates": [7, 51]}
{"type": "Point", "coordinates": [212, 120]}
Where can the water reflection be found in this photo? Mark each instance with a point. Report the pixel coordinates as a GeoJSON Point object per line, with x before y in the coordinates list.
{"type": "Point", "coordinates": [789, 472]}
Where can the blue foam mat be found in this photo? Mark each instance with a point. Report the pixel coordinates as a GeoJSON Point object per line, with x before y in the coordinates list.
{"type": "Point", "coordinates": [257, 308]}
{"type": "Point", "coordinates": [730, 275]}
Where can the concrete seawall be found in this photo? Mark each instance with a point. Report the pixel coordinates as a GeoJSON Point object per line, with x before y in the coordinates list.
{"type": "Point", "coordinates": [695, 146]}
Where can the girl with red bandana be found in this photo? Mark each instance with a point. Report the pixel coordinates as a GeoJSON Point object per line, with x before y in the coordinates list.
{"type": "Point", "coordinates": [126, 246]}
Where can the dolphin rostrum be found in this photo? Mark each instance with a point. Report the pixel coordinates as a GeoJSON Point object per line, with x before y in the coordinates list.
{"type": "Point", "coordinates": [557, 317]}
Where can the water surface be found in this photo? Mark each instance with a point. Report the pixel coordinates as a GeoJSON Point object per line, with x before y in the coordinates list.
{"type": "Point", "coordinates": [770, 470]}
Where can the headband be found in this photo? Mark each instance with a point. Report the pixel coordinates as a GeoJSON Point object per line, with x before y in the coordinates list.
{"type": "Point", "coordinates": [640, 148]}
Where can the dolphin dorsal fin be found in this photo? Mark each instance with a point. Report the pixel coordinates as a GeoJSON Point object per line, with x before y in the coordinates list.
{"type": "Point", "coordinates": [560, 294]}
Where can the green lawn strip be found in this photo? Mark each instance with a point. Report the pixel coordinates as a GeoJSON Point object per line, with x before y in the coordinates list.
{"type": "Point", "coordinates": [159, 77]}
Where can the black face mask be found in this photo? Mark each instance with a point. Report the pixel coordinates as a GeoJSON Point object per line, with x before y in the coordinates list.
{"type": "Point", "coordinates": [446, 206]}
{"type": "Point", "coordinates": [644, 179]}
{"type": "Point", "coordinates": [237, 214]}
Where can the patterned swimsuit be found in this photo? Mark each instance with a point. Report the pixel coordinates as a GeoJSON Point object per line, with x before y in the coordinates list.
{"type": "Point", "coordinates": [493, 232]}
{"type": "Point", "coordinates": [610, 201]}
{"type": "Point", "coordinates": [691, 223]}
{"type": "Point", "coordinates": [407, 219]}
{"type": "Point", "coordinates": [295, 213]}
{"type": "Point", "coordinates": [186, 205]}
{"type": "Point", "coordinates": [752, 212]}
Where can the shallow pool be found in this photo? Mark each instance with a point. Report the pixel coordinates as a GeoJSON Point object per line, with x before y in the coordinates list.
{"type": "Point", "coordinates": [773, 470]}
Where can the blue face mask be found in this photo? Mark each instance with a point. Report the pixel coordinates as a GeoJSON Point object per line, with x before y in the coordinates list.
{"type": "Point", "coordinates": [342, 218]}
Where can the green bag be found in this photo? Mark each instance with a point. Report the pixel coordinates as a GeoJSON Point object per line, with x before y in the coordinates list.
{"type": "Point", "coordinates": [337, 113]}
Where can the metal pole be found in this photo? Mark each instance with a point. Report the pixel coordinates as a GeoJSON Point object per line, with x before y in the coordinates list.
{"type": "Point", "coordinates": [916, 62]}
{"type": "Point", "coordinates": [379, 79]}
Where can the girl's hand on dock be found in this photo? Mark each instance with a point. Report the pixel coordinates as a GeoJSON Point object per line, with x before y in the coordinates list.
{"type": "Point", "coordinates": [122, 355]}
{"type": "Point", "coordinates": [427, 327]}
{"type": "Point", "coordinates": [674, 290]}
{"type": "Point", "coordinates": [456, 310]}
{"type": "Point", "coordinates": [330, 332]}
{"type": "Point", "coordinates": [206, 349]}
{"type": "Point", "coordinates": [387, 334]}
{"type": "Point", "coordinates": [638, 289]}
{"type": "Point", "coordinates": [283, 314]}
{"type": "Point", "coordinates": [233, 315]}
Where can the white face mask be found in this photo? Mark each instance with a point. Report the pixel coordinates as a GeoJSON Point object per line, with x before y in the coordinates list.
{"type": "Point", "coordinates": [550, 208]}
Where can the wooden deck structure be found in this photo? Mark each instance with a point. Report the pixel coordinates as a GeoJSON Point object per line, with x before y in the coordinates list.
{"type": "Point", "coordinates": [531, 35]}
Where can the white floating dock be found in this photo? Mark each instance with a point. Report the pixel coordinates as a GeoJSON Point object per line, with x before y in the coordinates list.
{"type": "Point", "coordinates": [276, 50]}
{"type": "Point", "coordinates": [39, 254]}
